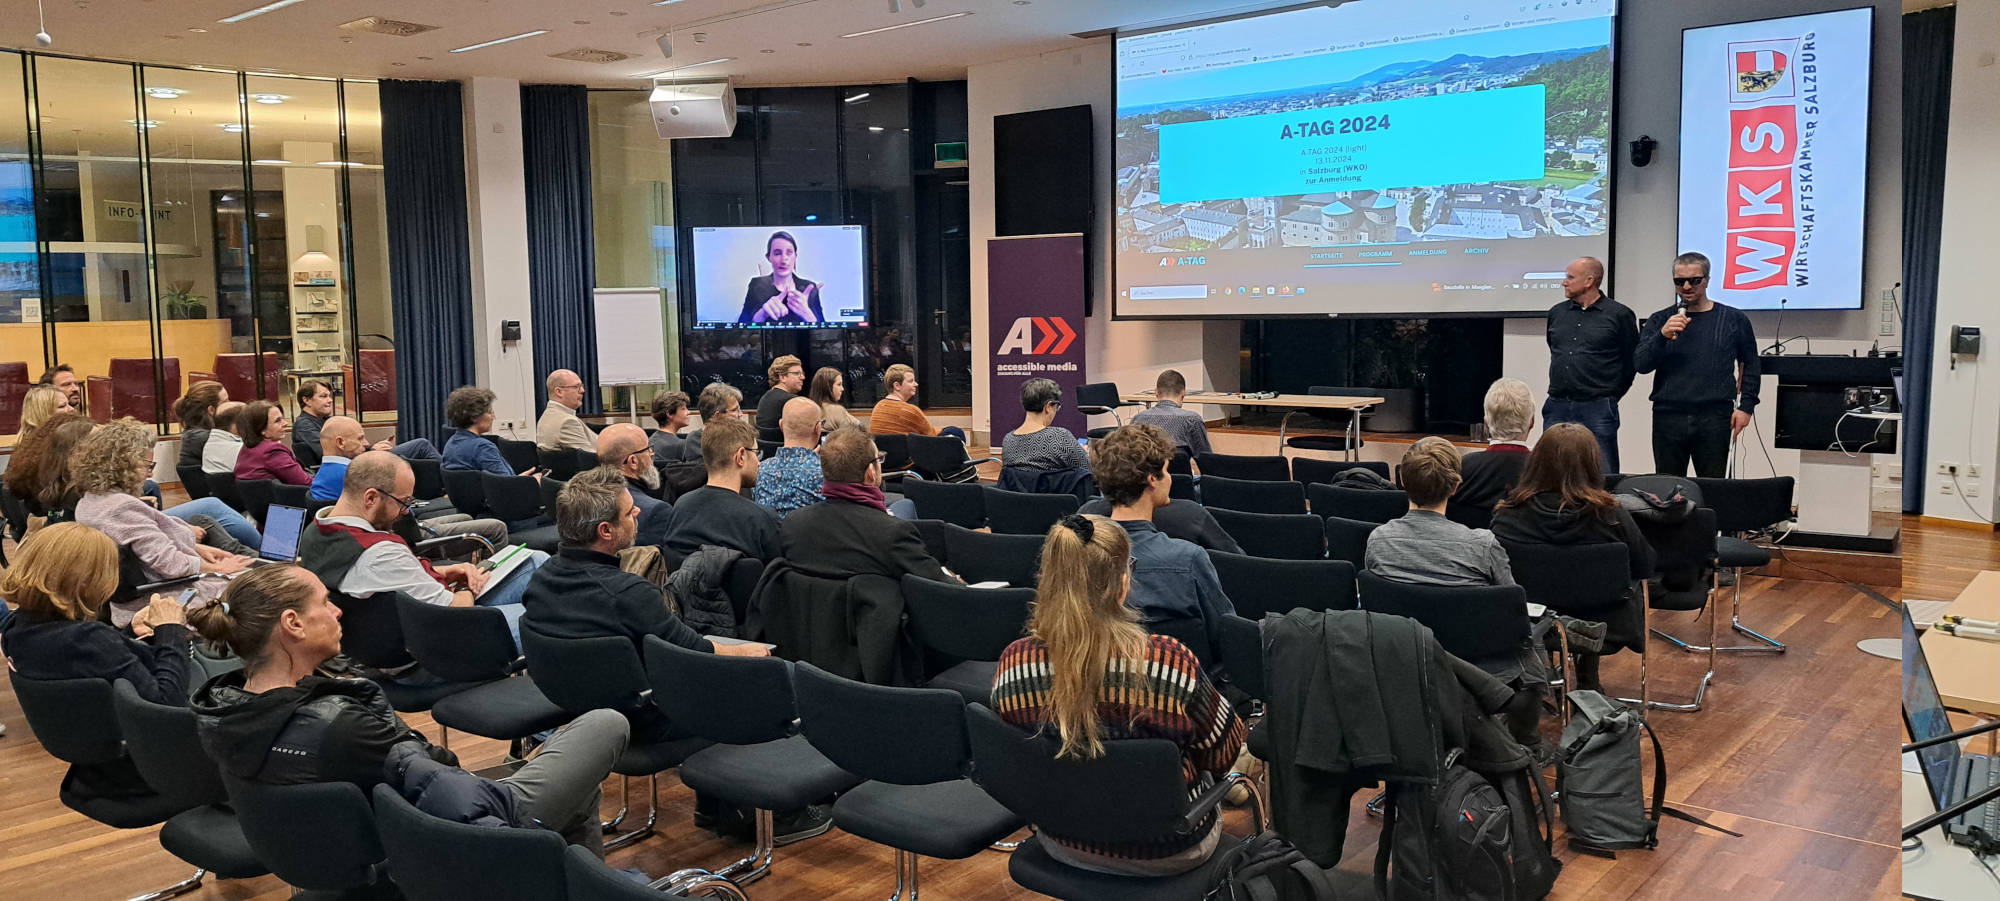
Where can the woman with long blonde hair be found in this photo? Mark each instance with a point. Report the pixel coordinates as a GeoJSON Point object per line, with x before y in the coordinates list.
{"type": "Point", "coordinates": [40, 403]}
{"type": "Point", "coordinates": [1090, 673]}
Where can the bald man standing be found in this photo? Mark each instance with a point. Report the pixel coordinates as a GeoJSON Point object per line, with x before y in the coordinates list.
{"type": "Point", "coordinates": [624, 447]}
{"type": "Point", "coordinates": [1592, 339]}
{"type": "Point", "coordinates": [792, 478]}
{"type": "Point", "coordinates": [559, 428]}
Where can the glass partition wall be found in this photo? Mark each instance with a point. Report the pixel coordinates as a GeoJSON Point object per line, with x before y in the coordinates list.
{"type": "Point", "coordinates": [161, 225]}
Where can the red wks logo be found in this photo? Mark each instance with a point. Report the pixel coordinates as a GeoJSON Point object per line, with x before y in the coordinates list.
{"type": "Point", "coordinates": [1762, 219]}
{"type": "Point", "coordinates": [1055, 336]}
{"type": "Point", "coordinates": [1763, 135]}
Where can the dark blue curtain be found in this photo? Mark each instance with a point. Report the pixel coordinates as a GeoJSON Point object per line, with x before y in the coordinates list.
{"type": "Point", "coordinates": [555, 137]}
{"type": "Point", "coordinates": [1927, 40]}
{"type": "Point", "coordinates": [430, 259]}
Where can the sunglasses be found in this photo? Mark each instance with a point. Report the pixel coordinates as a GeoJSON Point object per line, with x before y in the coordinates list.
{"type": "Point", "coordinates": [1693, 280]}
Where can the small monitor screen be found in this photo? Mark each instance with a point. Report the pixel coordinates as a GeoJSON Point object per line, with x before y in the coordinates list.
{"type": "Point", "coordinates": [281, 532]}
{"type": "Point", "coordinates": [811, 276]}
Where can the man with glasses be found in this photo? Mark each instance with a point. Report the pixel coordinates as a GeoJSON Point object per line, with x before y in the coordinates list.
{"type": "Point", "coordinates": [788, 380]}
{"type": "Point", "coordinates": [1591, 342]}
{"type": "Point", "coordinates": [624, 447]}
{"type": "Point", "coordinates": [791, 478]}
{"type": "Point", "coordinates": [351, 548]}
{"type": "Point", "coordinates": [721, 513]}
{"type": "Point", "coordinates": [341, 440]}
{"type": "Point", "coordinates": [851, 533]}
{"type": "Point", "coordinates": [559, 428]}
{"type": "Point", "coordinates": [1704, 358]}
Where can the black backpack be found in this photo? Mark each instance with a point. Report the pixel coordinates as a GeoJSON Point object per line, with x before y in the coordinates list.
{"type": "Point", "coordinates": [1265, 867]}
{"type": "Point", "coordinates": [1471, 838]}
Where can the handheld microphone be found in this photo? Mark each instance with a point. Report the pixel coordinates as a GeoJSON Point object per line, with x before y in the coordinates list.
{"type": "Point", "coordinates": [1680, 309]}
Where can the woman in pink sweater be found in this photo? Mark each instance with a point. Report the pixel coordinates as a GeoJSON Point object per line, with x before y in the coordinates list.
{"type": "Point", "coordinates": [108, 469]}
{"type": "Point", "coordinates": [266, 454]}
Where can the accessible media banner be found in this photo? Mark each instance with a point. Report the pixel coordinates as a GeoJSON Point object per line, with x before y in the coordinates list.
{"type": "Point", "coordinates": [1034, 309]}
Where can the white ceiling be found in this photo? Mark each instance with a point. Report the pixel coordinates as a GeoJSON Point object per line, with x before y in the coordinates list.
{"type": "Point", "coordinates": [765, 37]}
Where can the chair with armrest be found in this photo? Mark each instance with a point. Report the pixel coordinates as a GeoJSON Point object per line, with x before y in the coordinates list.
{"type": "Point", "coordinates": [1590, 582]}
{"type": "Point", "coordinates": [517, 500]}
{"type": "Point", "coordinates": [969, 625]}
{"type": "Point", "coordinates": [257, 495]}
{"type": "Point", "coordinates": [943, 459]}
{"type": "Point", "coordinates": [566, 462]}
{"type": "Point", "coordinates": [75, 722]}
{"type": "Point", "coordinates": [435, 859]}
{"type": "Point", "coordinates": [1744, 506]}
{"type": "Point", "coordinates": [1235, 466]}
{"type": "Point", "coordinates": [223, 485]}
{"type": "Point", "coordinates": [168, 753]}
{"type": "Point", "coordinates": [466, 489]}
{"type": "Point", "coordinates": [1183, 488]}
{"type": "Point", "coordinates": [1260, 585]}
{"type": "Point", "coordinates": [1242, 651]}
{"type": "Point", "coordinates": [986, 557]}
{"type": "Point", "coordinates": [895, 450]}
{"type": "Point", "coordinates": [1135, 791]}
{"type": "Point", "coordinates": [1376, 505]}
{"type": "Point", "coordinates": [299, 496]}
{"type": "Point", "coordinates": [1281, 536]}
{"type": "Point", "coordinates": [1252, 496]}
{"type": "Point", "coordinates": [933, 532]}
{"type": "Point", "coordinates": [1685, 576]}
{"type": "Point", "coordinates": [472, 646]}
{"type": "Point", "coordinates": [521, 455]}
{"type": "Point", "coordinates": [1311, 469]}
{"type": "Point", "coordinates": [316, 836]}
{"type": "Point", "coordinates": [1099, 398]}
{"type": "Point", "coordinates": [959, 503]}
{"type": "Point", "coordinates": [1025, 513]}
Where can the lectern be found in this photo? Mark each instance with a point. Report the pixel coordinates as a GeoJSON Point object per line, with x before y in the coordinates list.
{"type": "Point", "coordinates": [1838, 413]}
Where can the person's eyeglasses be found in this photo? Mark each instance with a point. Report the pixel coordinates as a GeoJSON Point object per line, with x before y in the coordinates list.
{"type": "Point", "coordinates": [647, 452]}
{"type": "Point", "coordinates": [880, 458]}
{"type": "Point", "coordinates": [1691, 280]}
{"type": "Point", "coordinates": [407, 505]}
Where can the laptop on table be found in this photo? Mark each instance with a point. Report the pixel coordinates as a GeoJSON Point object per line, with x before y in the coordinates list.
{"type": "Point", "coordinates": [1950, 773]}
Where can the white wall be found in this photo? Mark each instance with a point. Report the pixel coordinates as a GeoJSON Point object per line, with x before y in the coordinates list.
{"type": "Point", "coordinates": [497, 207]}
{"type": "Point", "coordinates": [1965, 414]}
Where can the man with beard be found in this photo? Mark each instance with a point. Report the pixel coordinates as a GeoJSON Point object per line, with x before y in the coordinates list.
{"type": "Point", "coordinates": [624, 447]}
{"type": "Point", "coordinates": [720, 513]}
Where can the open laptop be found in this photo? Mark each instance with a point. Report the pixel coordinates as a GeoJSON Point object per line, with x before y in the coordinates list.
{"type": "Point", "coordinates": [1951, 774]}
{"type": "Point", "coordinates": [282, 527]}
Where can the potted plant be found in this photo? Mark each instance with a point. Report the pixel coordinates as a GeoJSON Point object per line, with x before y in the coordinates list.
{"type": "Point", "coordinates": [182, 303]}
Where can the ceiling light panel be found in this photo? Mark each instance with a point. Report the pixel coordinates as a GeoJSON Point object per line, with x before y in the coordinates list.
{"type": "Point", "coordinates": [254, 13]}
{"type": "Point", "coordinates": [928, 21]}
{"type": "Point", "coordinates": [497, 41]}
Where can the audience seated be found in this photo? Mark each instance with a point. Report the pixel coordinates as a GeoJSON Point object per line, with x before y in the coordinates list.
{"type": "Point", "coordinates": [1560, 499]}
{"type": "Point", "coordinates": [1038, 443]}
{"type": "Point", "coordinates": [470, 412]}
{"type": "Point", "coordinates": [1171, 579]}
{"type": "Point", "coordinates": [341, 440]}
{"type": "Point", "coordinates": [196, 412]}
{"type": "Point", "coordinates": [671, 415]}
{"type": "Point", "coordinates": [828, 389]}
{"type": "Point", "coordinates": [852, 533]}
{"type": "Point", "coordinates": [219, 452]}
{"type": "Point", "coordinates": [623, 447]}
{"type": "Point", "coordinates": [559, 428]}
{"type": "Point", "coordinates": [1090, 674]}
{"type": "Point", "coordinates": [107, 470]}
{"type": "Point", "coordinates": [897, 413]}
{"type": "Point", "coordinates": [39, 404]}
{"type": "Point", "coordinates": [63, 378]}
{"type": "Point", "coordinates": [1490, 474]}
{"type": "Point", "coordinates": [1185, 427]}
{"type": "Point", "coordinates": [787, 377]}
{"type": "Point", "coordinates": [265, 454]}
{"type": "Point", "coordinates": [316, 406]}
{"type": "Point", "coordinates": [791, 478]}
{"type": "Point", "coordinates": [57, 584]}
{"type": "Point", "coordinates": [279, 721]}
{"type": "Point", "coordinates": [1423, 547]}
{"type": "Point", "coordinates": [717, 401]}
{"type": "Point", "coordinates": [719, 513]}
{"type": "Point", "coordinates": [38, 470]}
{"type": "Point", "coordinates": [351, 548]}
{"type": "Point", "coordinates": [582, 593]}
{"type": "Point", "coordinates": [1185, 520]}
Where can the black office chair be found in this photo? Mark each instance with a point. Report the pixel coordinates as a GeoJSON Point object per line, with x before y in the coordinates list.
{"type": "Point", "coordinates": [436, 859]}
{"type": "Point", "coordinates": [565, 463]}
{"type": "Point", "coordinates": [168, 753]}
{"type": "Point", "coordinates": [1234, 466]}
{"type": "Point", "coordinates": [1335, 421]}
{"type": "Point", "coordinates": [1347, 539]}
{"type": "Point", "coordinates": [1312, 470]}
{"type": "Point", "coordinates": [943, 459]}
{"type": "Point", "coordinates": [257, 495]}
{"type": "Point", "coordinates": [744, 705]}
{"type": "Point", "coordinates": [1242, 650]}
{"type": "Point", "coordinates": [1180, 464]}
{"type": "Point", "coordinates": [1590, 582]}
{"type": "Point", "coordinates": [959, 503]}
{"type": "Point", "coordinates": [1183, 488]}
{"type": "Point", "coordinates": [521, 455]}
{"type": "Point", "coordinates": [1191, 632]}
{"type": "Point", "coordinates": [223, 485]}
{"type": "Point", "coordinates": [1260, 585]}
{"type": "Point", "coordinates": [192, 480]}
{"type": "Point", "coordinates": [933, 532]}
{"type": "Point", "coordinates": [968, 625]}
{"type": "Point", "coordinates": [585, 674]}
{"type": "Point", "coordinates": [430, 482]}
{"type": "Point", "coordinates": [1744, 506]}
{"type": "Point", "coordinates": [471, 645]}
{"type": "Point", "coordinates": [1135, 791]}
{"type": "Point", "coordinates": [591, 879]}
{"type": "Point", "coordinates": [299, 496]}
{"type": "Point", "coordinates": [895, 450]}
{"type": "Point", "coordinates": [466, 490]}
{"type": "Point", "coordinates": [1024, 513]}
{"type": "Point", "coordinates": [1364, 504]}
{"type": "Point", "coordinates": [766, 448]}
{"type": "Point", "coordinates": [1684, 579]}
{"type": "Point", "coordinates": [1479, 624]}
{"type": "Point", "coordinates": [1099, 398]}
{"type": "Point", "coordinates": [1223, 493]}
{"type": "Point", "coordinates": [517, 500]}
{"type": "Point", "coordinates": [985, 557]}
{"type": "Point", "coordinates": [316, 836]}
{"type": "Point", "coordinates": [1280, 536]}
{"type": "Point", "coordinates": [917, 799]}
{"type": "Point", "coordinates": [548, 490]}
{"type": "Point", "coordinates": [16, 512]}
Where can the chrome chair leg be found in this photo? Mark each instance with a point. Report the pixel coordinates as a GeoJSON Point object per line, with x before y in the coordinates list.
{"type": "Point", "coordinates": [906, 876]}
{"type": "Point", "coordinates": [1004, 847]}
{"type": "Point", "coordinates": [645, 829]}
{"type": "Point", "coordinates": [624, 805]}
{"type": "Point", "coordinates": [752, 868]}
{"type": "Point", "coordinates": [696, 881]}
{"type": "Point", "coordinates": [177, 889]}
{"type": "Point", "coordinates": [1701, 690]}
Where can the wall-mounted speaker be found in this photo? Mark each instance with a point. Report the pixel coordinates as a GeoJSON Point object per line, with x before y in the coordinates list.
{"type": "Point", "coordinates": [704, 109]}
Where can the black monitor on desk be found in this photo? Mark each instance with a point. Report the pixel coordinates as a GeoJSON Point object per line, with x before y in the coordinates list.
{"type": "Point", "coordinates": [1814, 404]}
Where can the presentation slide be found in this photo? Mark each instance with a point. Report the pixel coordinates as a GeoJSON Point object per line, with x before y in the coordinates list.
{"type": "Point", "coordinates": [1449, 156]}
{"type": "Point", "coordinates": [1774, 158]}
{"type": "Point", "coordinates": [809, 276]}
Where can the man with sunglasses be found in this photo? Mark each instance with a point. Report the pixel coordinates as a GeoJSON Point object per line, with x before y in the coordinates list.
{"type": "Point", "coordinates": [625, 448]}
{"type": "Point", "coordinates": [1704, 358]}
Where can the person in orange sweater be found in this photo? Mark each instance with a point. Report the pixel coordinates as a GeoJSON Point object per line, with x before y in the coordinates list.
{"type": "Point", "coordinates": [894, 414]}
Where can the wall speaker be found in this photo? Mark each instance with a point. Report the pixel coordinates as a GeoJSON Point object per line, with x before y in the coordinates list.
{"type": "Point", "coordinates": [705, 109]}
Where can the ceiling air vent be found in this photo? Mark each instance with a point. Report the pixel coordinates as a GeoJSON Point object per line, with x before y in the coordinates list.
{"type": "Point", "coordinates": [591, 56]}
{"type": "Point", "coordinates": [380, 25]}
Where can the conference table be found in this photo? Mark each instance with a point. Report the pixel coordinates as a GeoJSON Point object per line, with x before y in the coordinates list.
{"type": "Point", "coordinates": [1292, 403]}
{"type": "Point", "coordinates": [1967, 670]}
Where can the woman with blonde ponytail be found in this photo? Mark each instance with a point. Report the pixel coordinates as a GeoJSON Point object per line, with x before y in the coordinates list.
{"type": "Point", "coordinates": [1090, 673]}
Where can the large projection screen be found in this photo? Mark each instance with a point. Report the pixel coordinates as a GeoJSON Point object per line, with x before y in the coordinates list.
{"type": "Point", "coordinates": [1774, 158]}
{"type": "Point", "coordinates": [1370, 158]}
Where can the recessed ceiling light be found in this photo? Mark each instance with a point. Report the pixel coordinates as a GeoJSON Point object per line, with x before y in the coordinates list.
{"type": "Point", "coordinates": [268, 163]}
{"type": "Point", "coordinates": [511, 37]}
{"type": "Point", "coordinates": [149, 123]}
{"type": "Point", "coordinates": [858, 97]}
{"type": "Point", "coordinates": [426, 58]}
{"type": "Point", "coordinates": [665, 2]}
{"type": "Point", "coordinates": [579, 21]}
{"type": "Point", "coordinates": [235, 128]}
{"type": "Point", "coordinates": [616, 13]}
{"type": "Point", "coordinates": [709, 62]}
{"type": "Point", "coordinates": [268, 99]}
{"type": "Point", "coordinates": [164, 93]}
{"type": "Point", "coordinates": [254, 13]}
{"type": "Point", "coordinates": [906, 25]}
{"type": "Point", "coordinates": [199, 30]}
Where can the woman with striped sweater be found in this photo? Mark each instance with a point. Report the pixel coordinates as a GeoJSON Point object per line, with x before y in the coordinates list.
{"type": "Point", "coordinates": [1089, 672]}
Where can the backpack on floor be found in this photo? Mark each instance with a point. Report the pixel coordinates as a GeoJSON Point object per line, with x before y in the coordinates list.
{"type": "Point", "coordinates": [1599, 778]}
{"type": "Point", "coordinates": [1265, 867]}
{"type": "Point", "coordinates": [1468, 838]}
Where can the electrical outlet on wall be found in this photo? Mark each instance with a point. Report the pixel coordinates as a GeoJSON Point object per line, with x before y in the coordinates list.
{"type": "Point", "coordinates": [1946, 467]}
{"type": "Point", "coordinates": [1972, 470]}
{"type": "Point", "coordinates": [1972, 489]}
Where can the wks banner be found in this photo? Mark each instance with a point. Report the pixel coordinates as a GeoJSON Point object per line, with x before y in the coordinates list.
{"type": "Point", "coordinates": [1034, 309]}
{"type": "Point", "coordinates": [1774, 158]}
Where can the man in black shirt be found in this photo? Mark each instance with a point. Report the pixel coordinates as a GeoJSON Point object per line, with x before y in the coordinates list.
{"type": "Point", "coordinates": [787, 377]}
{"type": "Point", "coordinates": [1705, 357]}
{"type": "Point", "coordinates": [851, 533]}
{"type": "Point", "coordinates": [720, 513]}
{"type": "Point", "coordinates": [1592, 339]}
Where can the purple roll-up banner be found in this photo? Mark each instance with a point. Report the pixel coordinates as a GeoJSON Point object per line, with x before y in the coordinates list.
{"type": "Point", "coordinates": [1035, 322]}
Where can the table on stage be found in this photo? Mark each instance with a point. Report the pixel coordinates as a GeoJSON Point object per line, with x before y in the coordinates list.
{"type": "Point", "coordinates": [1294, 402]}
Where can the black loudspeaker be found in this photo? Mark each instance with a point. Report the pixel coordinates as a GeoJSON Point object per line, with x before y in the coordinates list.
{"type": "Point", "coordinates": [1042, 172]}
